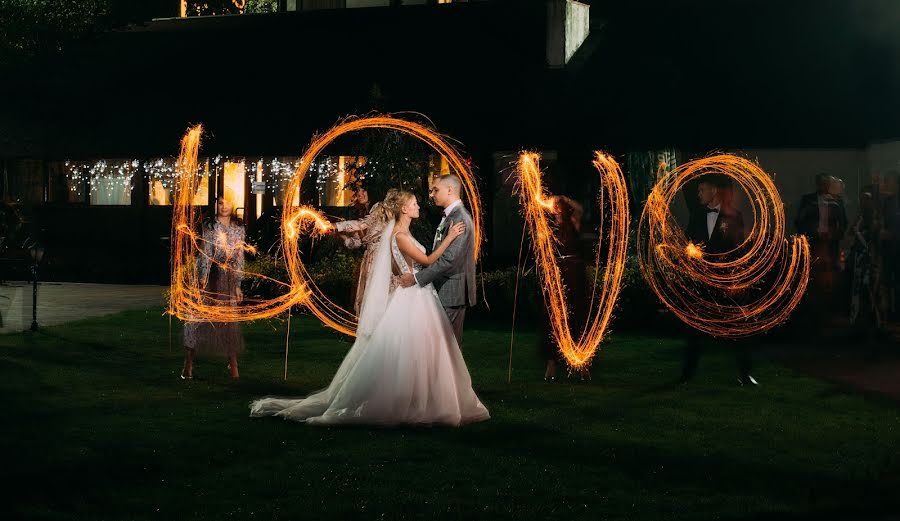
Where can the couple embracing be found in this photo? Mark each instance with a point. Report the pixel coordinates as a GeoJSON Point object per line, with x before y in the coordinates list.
{"type": "Point", "coordinates": [405, 366]}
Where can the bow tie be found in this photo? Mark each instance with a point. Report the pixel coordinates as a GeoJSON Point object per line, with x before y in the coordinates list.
{"type": "Point", "coordinates": [716, 210]}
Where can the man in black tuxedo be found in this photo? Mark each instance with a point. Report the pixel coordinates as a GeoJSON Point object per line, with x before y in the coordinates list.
{"type": "Point", "coordinates": [715, 224]}
{"type": "Point", "coordinates": [717, 227]}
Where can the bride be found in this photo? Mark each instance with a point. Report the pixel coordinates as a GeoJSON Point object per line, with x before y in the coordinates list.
{"type": "Point", "coordinates": [405, 366]}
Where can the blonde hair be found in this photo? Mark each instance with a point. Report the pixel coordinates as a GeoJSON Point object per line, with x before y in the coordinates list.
{"type": "Point", "coordinates": [395, 200]}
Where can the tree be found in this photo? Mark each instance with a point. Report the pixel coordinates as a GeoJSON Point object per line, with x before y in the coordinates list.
{"type": "Point", "coordinates": [31, 27]}
{"type": "Point", "coordinates": [395, 160]}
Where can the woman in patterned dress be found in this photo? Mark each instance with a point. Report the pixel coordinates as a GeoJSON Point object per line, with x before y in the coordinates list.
{"type": "Point", "coordinates": [365, 232]}
{"type": "Point", "coordinates": [220, 269]}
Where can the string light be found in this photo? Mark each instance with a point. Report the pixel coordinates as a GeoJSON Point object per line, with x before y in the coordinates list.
{"type": "Point", "coordinates": [113, 177]}
{"type": "Point", "coordinates": [734, 294]}
{"type": "Point", "coordinates": [613, 202]}
{"type": "Point", "coordinates": [117, 176]}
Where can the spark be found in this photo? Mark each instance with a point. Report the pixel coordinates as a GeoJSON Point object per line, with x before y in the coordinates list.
{"type": "Point", "coordinates": [578, 351]}
{"type": "Point", "coordinates": [331, 314]}
{"type": "Point", "coordinates": [188, 301]}
{"type": "Point", "coordinates": [733, 294]}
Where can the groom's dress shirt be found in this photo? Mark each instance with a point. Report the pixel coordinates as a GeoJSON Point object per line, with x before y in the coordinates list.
{"type": "Point", "coordinates": [450, 208]}
{"type": "Point", "coordinates": [447, 211]}
{"type": "Point", "coordinates": [712, 215]}
{"type": "Point", "coordinates": [439, 236]}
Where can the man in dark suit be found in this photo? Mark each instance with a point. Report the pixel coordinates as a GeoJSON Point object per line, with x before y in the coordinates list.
{"type": "Point", "coordinates": [821, 215]}
{"type": "Point", "coordinates": [716, 227]}
{"type": "Point", "coordinates": [822, 218]}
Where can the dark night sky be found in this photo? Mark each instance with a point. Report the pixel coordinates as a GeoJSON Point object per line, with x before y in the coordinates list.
{"type": "Point", "coordinates": [691, 73]}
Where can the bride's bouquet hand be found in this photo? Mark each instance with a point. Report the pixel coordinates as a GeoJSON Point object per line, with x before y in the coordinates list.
{"type": "Point", "coordinates": [456, 230]}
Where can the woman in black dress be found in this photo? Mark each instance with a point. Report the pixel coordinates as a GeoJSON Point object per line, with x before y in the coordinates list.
{"type": "Point", "coordinates": [567, 216]}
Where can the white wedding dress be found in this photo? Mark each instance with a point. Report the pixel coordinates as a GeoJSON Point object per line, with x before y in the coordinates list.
{"type": "Point", "coordinates": [404, 368]}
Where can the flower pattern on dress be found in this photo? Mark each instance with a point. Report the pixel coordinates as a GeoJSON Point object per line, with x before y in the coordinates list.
{"type": "Point", "coordinates": [365, 232]}
{"type": "Point", "coordinates": [223, 246]}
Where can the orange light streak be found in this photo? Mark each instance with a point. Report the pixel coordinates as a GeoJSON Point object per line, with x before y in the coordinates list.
{"type": "Point", "coordinates": [306, 219]}
{"type": "Point", "coordinates": [735, 294]}
{"type": "Point", "coordinates": [613, 202]}
{"type": "Point", "coordinates": [328, 312]}
{"type": "Point", "coordinates": [188, 301]}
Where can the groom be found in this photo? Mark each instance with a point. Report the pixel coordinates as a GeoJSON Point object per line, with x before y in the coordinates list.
{"type": "Point", "coordinates": [453, 274]}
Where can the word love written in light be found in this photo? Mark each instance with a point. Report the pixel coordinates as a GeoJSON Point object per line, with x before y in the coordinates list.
{"type": "Point", "coordinates": [770, 273]}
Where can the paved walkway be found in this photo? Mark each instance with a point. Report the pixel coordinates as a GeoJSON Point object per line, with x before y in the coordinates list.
{"type": "Point", "coordinates": [842, 356]}
{"type": "Point", "coordinates": [852, 367]}
{"type": "Point", "coordinates": [61, 302]}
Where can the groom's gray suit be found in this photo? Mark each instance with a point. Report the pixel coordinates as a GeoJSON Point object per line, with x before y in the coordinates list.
{"type": "Point", "coordinates": [453, 274]}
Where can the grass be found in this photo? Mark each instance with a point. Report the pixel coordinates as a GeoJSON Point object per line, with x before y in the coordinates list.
{"type": "Point", "coordinates": [98, 426]}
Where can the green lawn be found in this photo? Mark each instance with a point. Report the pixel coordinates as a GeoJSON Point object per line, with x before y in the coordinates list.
{"type": "Point", "coordinates": [98, 426]}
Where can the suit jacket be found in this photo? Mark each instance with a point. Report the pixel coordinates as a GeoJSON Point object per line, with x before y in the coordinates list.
{"type": "Point", "coordinates": [807, 221]}
{"type": "Point", "coordinates": [453, 274]}
{"type": "Point", "coordinates": [728, 232]}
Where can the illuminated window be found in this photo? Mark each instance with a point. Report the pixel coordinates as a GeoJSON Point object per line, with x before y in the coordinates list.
{"type": "Point", "coordinates": [334, 176]}
{"type": "Point", "coordinates": [108, 181]}
{"type": "Point", "coordinates": [234, 180]}
{"type": "Point", "coordinates": [281, 171]}
{"type": "Point", "coordinates": [258, 178]}
{"type": "Point", "coordinates": [161, 178]}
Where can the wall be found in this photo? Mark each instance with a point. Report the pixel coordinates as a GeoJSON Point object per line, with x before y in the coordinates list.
{"type": "Point", "coordinates": [794, 171]}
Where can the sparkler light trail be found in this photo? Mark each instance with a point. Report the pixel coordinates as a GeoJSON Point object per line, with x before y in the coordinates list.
{"type": "Point", "coordinates": [319, 305]}
{"type": "Point", "coordinates": [734, 294]}
{"type": "Point", "coordinates": [188, 301]}
{"type": "Point", "coordinates": [613, 202]}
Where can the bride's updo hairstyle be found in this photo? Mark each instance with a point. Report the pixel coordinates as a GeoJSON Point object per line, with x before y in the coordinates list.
{"type": "Point", "coordinates": [383, 209]}
{"type": "Point", "coordinates": [394, 201]}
